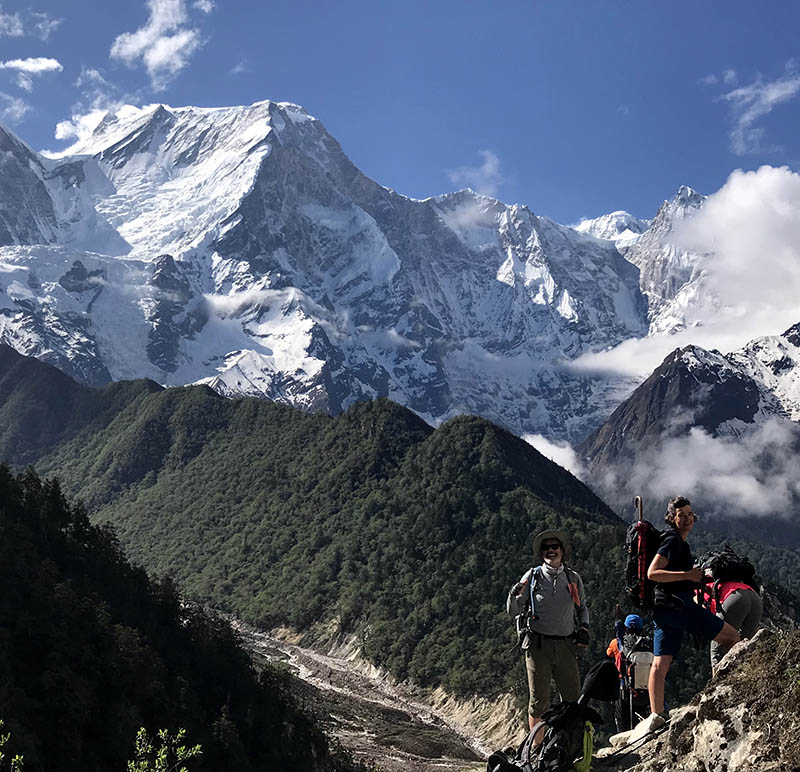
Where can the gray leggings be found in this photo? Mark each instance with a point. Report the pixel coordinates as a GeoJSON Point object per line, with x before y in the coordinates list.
{"type": "Point", "coordinates": [741, 610]}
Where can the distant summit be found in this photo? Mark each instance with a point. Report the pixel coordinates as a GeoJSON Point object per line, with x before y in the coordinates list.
{"type": "Point", "coordinates": [617, 225]}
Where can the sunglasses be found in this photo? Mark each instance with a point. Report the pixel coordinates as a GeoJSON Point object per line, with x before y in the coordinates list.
{"type": "Point", "coordinates": [551, 546]}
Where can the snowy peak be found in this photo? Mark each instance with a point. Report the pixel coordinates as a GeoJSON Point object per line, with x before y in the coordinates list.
{"type": "Point", "coordinates": [684, 204]}
{"type": "Point", "coordinates": [27, 215]}
{"type": "Point", "coordinates": [774, 361]}
{"type": "Point", "coordinates": [613, 226]}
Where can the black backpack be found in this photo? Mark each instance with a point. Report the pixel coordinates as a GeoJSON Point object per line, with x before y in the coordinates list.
{"type": "Point", "coordinates": [633, 642]}
{"type": "Point", "coordinates": [726, 566]}
{"type": "Point", "coordinates": [642, 540]}
{"type": "Point", "coordinates": [568, 739]}
{"type": "Point", "coordinates": [567, 743]}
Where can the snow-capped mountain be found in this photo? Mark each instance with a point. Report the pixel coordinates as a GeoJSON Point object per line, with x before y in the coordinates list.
{"type": "Point", "coordinates": [722, 394]}
{"type": "Point", "coordinates": [615, 226]}
{"type": "Point", "coordinates": [672, 278]}
{"type": "Point", "coordinates": [774, 361]}
{"type": "Point", "coordinates": [240, 247]}
{"type": "Point", "coordinates": [726, 426]}
{"type": "Point", "coordinates": [691, 388]}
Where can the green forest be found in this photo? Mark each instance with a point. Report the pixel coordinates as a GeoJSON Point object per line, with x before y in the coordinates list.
{"type": "Point", "coordinates": [92, 652]}
{"type": "Point", "coordinates": [369, 524]}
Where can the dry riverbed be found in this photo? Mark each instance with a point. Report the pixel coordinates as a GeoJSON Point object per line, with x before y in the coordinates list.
{"type": "Point", "coordinates": [370, 716]}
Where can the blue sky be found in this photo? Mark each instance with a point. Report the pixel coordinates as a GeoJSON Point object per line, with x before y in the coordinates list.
{"type": "Point", "coordinates": [573, 108]}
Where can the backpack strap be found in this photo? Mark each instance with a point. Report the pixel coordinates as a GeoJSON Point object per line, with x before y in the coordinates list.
{"type": "Point", "coordinates": [536, 574]}
{"type": "Point", "coordinates": [573, 586]}
{"type": "Point", "coordinates": [715, 596]}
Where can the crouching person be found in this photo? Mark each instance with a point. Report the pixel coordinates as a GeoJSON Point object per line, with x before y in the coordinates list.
{"type": "Point", "coordinates": [552, 621]}
{"type": "Point", "coordinates": [675, 610]}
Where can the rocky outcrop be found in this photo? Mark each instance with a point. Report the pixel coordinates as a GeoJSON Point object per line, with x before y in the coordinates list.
{"type": "Point", "coordinates": [746, 720]}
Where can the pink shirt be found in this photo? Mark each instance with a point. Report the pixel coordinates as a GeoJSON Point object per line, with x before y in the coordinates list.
{"type": "Point", "coordinates": [725, 589]}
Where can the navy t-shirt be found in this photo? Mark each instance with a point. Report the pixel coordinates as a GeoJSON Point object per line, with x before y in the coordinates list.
{"type": "Point", "coordinates": [679, 558]}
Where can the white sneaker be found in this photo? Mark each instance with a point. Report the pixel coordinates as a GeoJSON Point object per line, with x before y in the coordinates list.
{"type": "Point", "coordinates": [647, 725]}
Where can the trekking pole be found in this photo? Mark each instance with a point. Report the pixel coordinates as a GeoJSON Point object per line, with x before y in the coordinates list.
{"type": "Point", "coordinates": [641, 563]}
{"type": "Point", "coordinates": [630, 704]}
{"type": "Point", "coordinates": [625, 749]}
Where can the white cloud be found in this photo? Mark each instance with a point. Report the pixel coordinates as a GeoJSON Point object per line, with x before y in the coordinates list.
{"type": "Point", "coordinates": [33, 66]}
{"type": "Point", "coordinates": [240, 68]}
{"type": "Point", "coordinates": [165, 44]}
{"type": "Point", "coordinates": [485, 178]}
{"type": "Point", "coordinates": [750, 231]}
{"type": "Point", "coordinates": [757, 474]}
{"type": "Point", "coordinates": [751, 227]}
{"type": "Point", "coordinates": [206, 6]}
{"type": "Point", "coordinates": [37, 24]}
{"type": "Point", "coordinates": [44, 25]}
{"type": "Point", "coordinates": [560, 453]}
{"type": "Point", "coordinates": [26, 69]}
{"type": "Point", "coordinates": [11, 24]}
{"type": "Point", "coordinates": [752, 102]}
{"type": "Point", "coordinates": [98, 98]}
{"type": "Point", "coordinates": [80, 126]}
{"type": "Point", "coordinates": [385, 340]}
{"type": "Point", "coordinates": [709, 80]}
{"type": "Point", "coordinates": [624, 109]}
{"type": "Point", "coordinates": [729, 77]}
{"type": "Point", "coordinates": [12, 110]}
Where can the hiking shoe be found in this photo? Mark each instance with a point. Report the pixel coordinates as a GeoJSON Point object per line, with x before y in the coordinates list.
{"type": "Point", "coordinates": [655, 721]}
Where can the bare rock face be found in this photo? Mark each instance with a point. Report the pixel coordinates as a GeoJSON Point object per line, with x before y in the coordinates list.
{"type": "Point", "coordinates": [746, 720]}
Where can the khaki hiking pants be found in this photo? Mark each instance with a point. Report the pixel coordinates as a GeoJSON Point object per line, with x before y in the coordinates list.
{"type": "Point", "coordinates": [555, 660]}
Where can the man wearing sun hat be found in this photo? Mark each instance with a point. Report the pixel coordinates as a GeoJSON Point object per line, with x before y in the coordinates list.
{"type": "Point", "coordinates": [552, 621]}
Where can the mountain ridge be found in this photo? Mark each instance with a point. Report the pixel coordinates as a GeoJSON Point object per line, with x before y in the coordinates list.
{"type": "Point", "coordinates": [241, 248]}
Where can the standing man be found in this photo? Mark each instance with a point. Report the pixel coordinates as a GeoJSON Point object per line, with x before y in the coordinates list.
{"type": "Point", "coordinates": [545, 603]}
{"type": "Point", "coordinates": [675, 610]}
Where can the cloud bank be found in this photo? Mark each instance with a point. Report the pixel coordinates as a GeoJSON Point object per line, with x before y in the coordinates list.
{"type": "Point", "coordinates": [732, 476]}
{"type": "Point", "coordinates": [750, 230]}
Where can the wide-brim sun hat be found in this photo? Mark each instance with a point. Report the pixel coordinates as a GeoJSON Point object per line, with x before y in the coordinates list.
{"type": "Point", "coordinates": [559, 536]}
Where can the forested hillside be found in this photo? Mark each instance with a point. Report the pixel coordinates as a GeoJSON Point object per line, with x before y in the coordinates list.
{"type": "Point", "coordinates": [92, 650]}
{"type": "Point", "coordinates": [371, 523]}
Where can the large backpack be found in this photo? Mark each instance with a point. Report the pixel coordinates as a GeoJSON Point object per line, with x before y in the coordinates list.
{"type": "Point", "coordinates": [567, 745]}
{"type": "Point", "coordinates": [726, 566]}
{"type": "Point", "coordinates": [569, 735]}
{"type": "Point", "coordinates": [637, 653]}
{"type": "Point", "coordinates": [642, 540]}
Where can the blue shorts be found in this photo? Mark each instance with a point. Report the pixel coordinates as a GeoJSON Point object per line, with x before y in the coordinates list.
{"type": "Point", "coordinates": [670, 625]}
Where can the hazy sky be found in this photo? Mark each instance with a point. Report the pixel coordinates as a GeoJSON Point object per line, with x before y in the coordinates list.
{"type": "Point", "coordinates": [573, 108]}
